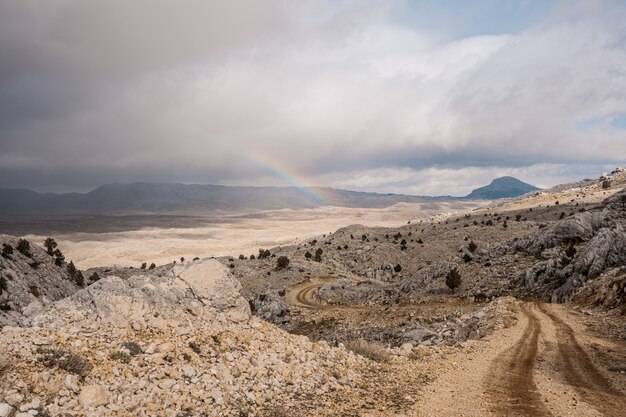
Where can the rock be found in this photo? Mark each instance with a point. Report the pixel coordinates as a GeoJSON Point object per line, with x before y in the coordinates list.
{"type": "Point", "coordinates": [33, 405]}
{"type": "Point", "coordinates": [14, 399]}
{"type": "Point", "coordinates": [72, 383]}
{"type": "Point", "coordinates": [212, 283]}
{"type": "Point", "coordinates": [188, 371]}
{"type": "Point", "coordinates": [92, 396]}
{"type": "Point", "coordinates": [5, 410]}
{"type": "Point", "coordinates": [418, 335]}
{"type": "Point", "coordinates": [166, 347]}
{"type": "Point", "coordinates": [216, 394]}
{"type": "Point", "coordinates": [271, 307]}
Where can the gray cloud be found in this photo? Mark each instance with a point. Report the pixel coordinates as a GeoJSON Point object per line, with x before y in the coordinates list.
{"type": "Point", "coordinates": [339, 92]}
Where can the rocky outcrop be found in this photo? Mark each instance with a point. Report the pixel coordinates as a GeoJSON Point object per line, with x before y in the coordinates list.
{"type": "Point", "coordinates": [29, 280]}
{"type": "Point", "coordinates": [149, 299]}
{"type": "Point", "coordinates": [577, 249]}
{"type": "Point", "coordinates": [177, 342]}
{"type": "Point", "coordinates": [271, 307]}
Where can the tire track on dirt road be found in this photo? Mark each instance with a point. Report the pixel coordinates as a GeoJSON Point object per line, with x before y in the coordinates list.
{"type": "Point", "coordinates": [579, 371]}
{"type": "Point", "coordinates": [509, 384]}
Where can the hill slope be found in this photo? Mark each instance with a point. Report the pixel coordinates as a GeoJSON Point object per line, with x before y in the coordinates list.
{"type": "Point", "coordinates": [164, 197]}
{"type": "Point", "coordinates": [503, 187]}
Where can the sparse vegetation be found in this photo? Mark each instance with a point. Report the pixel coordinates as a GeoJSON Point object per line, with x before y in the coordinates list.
{"type": "Point", "coordinates": [308, 255]}
{"type": "Point", "coordinates": [368, 350]}
{"type": "Point", "coordinates": [120, 356]}
{"type": "Point", "coordinates": [59, 258]}
{"type": "Point", "coordinates": [282, 262]}
{"type": "Point", "coordinates": [94, 277]}
{"type": "Point", "coordinates": [397, 268]}
{"type": "Point", "coordinates": [23, 247]}
{"type": "Point", "coordinates": [7, 251]}
{"type": "Point", "coordinates": [50, 246]}
{"type": "Point", "coordinates": [152, 265]}
{"type": "Point", "coordinates": [318, 255]}
{"type": "Point", "coordinates": [144, 265]}
{"type": "Point", "coordinates": [194, 346]}
{"type": "Point", "coordinates": [472, 246]}
{"type": "Point", "coordinates": [132, 347]}
{"type": "Point", "coordinates": [264, 253]}
{"type": "Point", "coordinates": [453, 279]}
{"type": "Point", "coordinates": [64, 359]}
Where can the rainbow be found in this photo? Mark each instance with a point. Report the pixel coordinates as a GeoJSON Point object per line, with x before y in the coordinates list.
{"type": "Point", "coordinates": [288, 176]}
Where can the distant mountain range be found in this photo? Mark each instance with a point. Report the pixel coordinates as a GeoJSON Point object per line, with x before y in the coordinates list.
{"type": "Point", "coordinates": [503, 187]}
{"type": "Point", "coordinates": [169, 197]}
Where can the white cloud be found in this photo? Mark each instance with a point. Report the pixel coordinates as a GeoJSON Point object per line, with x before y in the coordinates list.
{"type": "Point", "coordinates": [150, 91]}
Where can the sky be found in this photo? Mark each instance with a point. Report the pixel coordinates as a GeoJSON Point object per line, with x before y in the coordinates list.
{"type": "Point", "coordinates": [407, 96]}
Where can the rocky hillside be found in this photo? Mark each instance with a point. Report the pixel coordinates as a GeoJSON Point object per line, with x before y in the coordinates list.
{"type": "Point", "coordinates": [181, 341]}
{"type": "Point", "coordinates": [31, 278]}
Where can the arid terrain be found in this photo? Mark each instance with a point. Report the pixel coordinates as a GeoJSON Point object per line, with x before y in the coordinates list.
{"type": "Point", "coordinates": [129, 240]}
{"type": "Point", "coordinates": [514, 308]}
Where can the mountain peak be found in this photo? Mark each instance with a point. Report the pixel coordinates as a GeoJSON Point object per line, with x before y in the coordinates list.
{"type": "Point", "coordinates": [502, 187]}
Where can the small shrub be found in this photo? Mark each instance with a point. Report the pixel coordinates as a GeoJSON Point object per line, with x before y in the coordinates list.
{"type": "Point", "coordinates": [252, 257]}
{"type": "Point", "coordinates": [133, 348]}
{"type": "Point", "coordinates": [308, 255]}
{"type": "Point", "coordinates": [467, 257]}
{"type": "Point", "coordinates": [34, 291]}
{"type": "Point", "coordinates": [50, 245]}
{"type": "Point", "coordinates": [7, 250]}
{"type": "Point", "coordinates": [241, 257]}
{"type": "Point", "coordinates": [606, 184]}
{"type": "Point", "coordinates": [64, 359]}
{"type": "Point", "coordinates": [59, 258]}
{"type": "Point", "coordinates": [23, 247]}
{"type": "Point", "coordinates": [94, 277]}
{"type": "Point", "coordinates": [264, 253]}
{"type": "Point", "coordinates": [152, 265]}
{"type": "Point", "coordinates": [318, 255]}
{"type": "Point", "coordinates": [144, 265]}
{"type": "Point", "coordinates": [453, 279]}
{"type": "Point", "coordinates": [472, 246]}
{"type": "Point", "coordinates": [194, 346]}
{"type": "Point", "coordinates": [397, 268]}
{"type": "Point", "coordinates": [3, 285]}
{"type": "Point", "coordinates": [4, 366]}
{"type": "Point", "coordinates": [120, 356]}
{"type": "Point", "coordinates": [182, 259]}
{"type": "Point", "coordinates": [282, 262]}
{"type": "Point", "coordinates": [368, 350]}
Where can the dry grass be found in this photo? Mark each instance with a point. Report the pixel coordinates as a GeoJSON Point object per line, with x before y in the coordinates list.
{"type": "Point", "coordinates": [368, 350]}
{"type": "Point", "coordinates": [4, 366]}
{"type": "Point", "coordinates": [64, 359]}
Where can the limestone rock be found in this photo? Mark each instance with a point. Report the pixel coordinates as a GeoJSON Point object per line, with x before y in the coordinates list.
{"type": "Point", "coordinates": [92, 396]}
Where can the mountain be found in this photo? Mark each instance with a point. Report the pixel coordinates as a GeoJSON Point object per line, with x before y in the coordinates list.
{"type": "Point", "coordinates": [503, 187]}
{"type": "Point", "coordinates": [168, 197]}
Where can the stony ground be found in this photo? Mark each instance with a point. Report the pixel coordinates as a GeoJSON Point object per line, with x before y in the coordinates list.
{"type": "Point", "coordinates": [358, 322]}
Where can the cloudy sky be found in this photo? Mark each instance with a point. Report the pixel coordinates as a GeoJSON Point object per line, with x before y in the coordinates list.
{"type": "Point", "coordinates": [423, 97]}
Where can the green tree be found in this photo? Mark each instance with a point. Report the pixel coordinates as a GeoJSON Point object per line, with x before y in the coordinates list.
{"type": "Point", "coordinates": [50, 245]}
{"type": "Point", "coordinates": [282, 262]}
{"type": "Point", "coordinates": [453, 279]}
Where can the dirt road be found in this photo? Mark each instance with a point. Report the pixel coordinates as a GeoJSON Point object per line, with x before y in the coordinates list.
{"type": "Point", "coordinates": [536, 368]}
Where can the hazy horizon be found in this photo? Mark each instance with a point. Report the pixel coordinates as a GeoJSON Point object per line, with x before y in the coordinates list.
{"type": "Point", "coordinates": [395, 96]}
